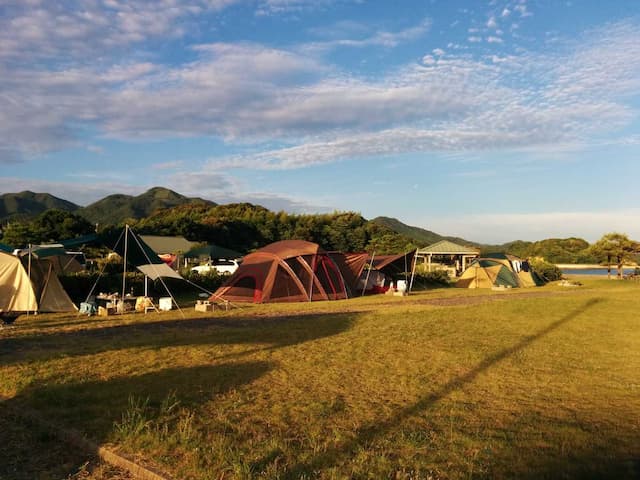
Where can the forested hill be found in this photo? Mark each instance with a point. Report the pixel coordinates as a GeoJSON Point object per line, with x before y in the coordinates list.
{"type": "Point", "coordinates": [115, 209]}
{"type": "Point", "coordinates": [24, 205]}
{"type": "Point", "coordinates": [420, 235]}
{"type": "Point", "coordinates": [242, 226]}
{"type": "Point", "coordinates": [555, 250]}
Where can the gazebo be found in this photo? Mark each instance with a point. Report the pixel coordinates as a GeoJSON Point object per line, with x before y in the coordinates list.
{"type": "Point", "coordinates": [448, 253]}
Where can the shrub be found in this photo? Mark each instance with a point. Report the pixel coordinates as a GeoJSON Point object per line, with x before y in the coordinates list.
{"type": "Point", "coordinates": [434, 279]}
{"type": "Point", "coordinates": [546, 270]}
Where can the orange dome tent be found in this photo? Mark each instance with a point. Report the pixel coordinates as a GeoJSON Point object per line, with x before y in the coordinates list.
{"type": "Point", "coordinates": [292, 271]}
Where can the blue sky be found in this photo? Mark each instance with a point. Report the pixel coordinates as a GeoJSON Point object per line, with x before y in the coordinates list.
{"type": "Point", "coordinates": [490, 120]}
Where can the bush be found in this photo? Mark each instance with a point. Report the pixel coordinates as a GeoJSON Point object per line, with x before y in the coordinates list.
{"type": "Point", "coordinates": [434, 279]}
{"type": "Point", "coordinates": [546, 270]}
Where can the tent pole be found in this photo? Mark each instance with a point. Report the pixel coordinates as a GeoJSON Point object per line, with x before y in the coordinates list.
{"type": "Point", "coordinates": [366, 280]}
{"type": "Point", "coordinates": [413, 270]}
{"type": "Point", "coordinates": [313, 274]}
{"type": "Point", "coordinates": [124, 266]}
{"type": "Point", "coordinates": [30, 282]}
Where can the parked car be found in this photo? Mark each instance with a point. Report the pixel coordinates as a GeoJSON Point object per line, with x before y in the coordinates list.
{"type": "Point", "coordinates": [221, 266]}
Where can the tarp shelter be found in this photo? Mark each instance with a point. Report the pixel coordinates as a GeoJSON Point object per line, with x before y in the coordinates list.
{"type": "Point", "coordinates": [488, 273]}
{"type": "Point", "coordinates": [42, 292]}
{"type": "Point", "coordinates": [393, 265]}
{"type": "Point", "coordinates": [139, 255]}
{"type": "Point", "coordinates": [292, 271]}
{"type": "Point", "coordinates": [162, 244]}
{"type": "Point", "coordinates": [384, 269]}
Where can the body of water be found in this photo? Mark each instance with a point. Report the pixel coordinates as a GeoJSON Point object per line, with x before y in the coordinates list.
{"type": "Point", "coordinates": [596, 271]}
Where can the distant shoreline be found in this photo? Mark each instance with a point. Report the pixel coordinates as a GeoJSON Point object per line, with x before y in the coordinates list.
{"type": "Point", "coordinates": [587, 266]}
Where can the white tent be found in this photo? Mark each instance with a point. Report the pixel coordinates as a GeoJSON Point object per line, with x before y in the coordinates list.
{"type": "Point", "coordinates": [41, 291]}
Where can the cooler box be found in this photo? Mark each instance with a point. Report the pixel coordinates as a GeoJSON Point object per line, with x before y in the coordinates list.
{"type": "Point", "coordinates": [165, 303]}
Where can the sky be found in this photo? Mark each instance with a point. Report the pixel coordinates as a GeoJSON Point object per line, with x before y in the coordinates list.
{"type": "Point", "coordinates": [490, 120]}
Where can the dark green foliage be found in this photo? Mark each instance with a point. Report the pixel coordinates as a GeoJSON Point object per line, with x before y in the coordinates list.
{"type": "Point", "coordinates": [554, 250]}
{"type": "Point", "coordinates": [548, 271]}
{"type": "Point", "coordinates": [50, 226]}
{"type": "Point", "coordinates": [246, 227]}
{"type": "Point", "coordinates": [434, 279]}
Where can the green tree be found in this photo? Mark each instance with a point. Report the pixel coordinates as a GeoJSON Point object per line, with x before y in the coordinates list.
{"type": "Point", "coordinates": [615, 247]}
{"type": "Point", "coordinates": [50, 226]}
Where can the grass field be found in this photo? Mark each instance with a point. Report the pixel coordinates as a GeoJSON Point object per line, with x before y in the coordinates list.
{"type": "Point", "coordinates": [536, 383]}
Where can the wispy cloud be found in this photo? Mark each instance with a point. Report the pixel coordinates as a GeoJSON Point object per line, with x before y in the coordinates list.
{"type": "Point", "coordinates": [250, 93]}
{"type": "Point", "coordinates": [41, 29]}
{"type": "Point", "coordinates": [382, 38]}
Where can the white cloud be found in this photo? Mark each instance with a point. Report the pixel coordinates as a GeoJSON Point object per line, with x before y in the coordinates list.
{"type": "Point", "coordinates": [474, 39]}
{"type": "Point", "coordinates": [274, 7]}
{"type": "Point", "coordinates": [505, 13]}
{"type": "Point", "coordinates": [428, 60]}
{"type": "Point", "coordinates": [381, 38]}
{"type": "Point", "coordinates": [492, 39]}
{"type": "Point", "coordinates": [80, 28]}
{"type": "Point", "coordinates": [250, 93]}
{"type": "Point", "coordinates": [522, 10]}
{"type": "Point", "coordinates": [492, 23]}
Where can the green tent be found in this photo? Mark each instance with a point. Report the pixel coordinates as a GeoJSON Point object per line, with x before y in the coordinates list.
{"type": "Point", "coordinates": [488, 273]}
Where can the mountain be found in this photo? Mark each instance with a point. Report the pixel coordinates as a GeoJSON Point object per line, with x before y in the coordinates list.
{"type": "Point", "coordinates": [420, 235]}
{"type": "Point", "coordinates": [26, 205]}
{"type": "Point", "coordinates": [114, 209]}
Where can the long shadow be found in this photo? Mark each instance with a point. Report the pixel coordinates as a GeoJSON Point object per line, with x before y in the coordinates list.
{"type": "Point", "coordinates": [369, 432]}
{"type": "Point", "coordinates": [269, 333]}
{"type": "Point", "coordinates": [93, 408]}
{"type": "Point", "coordinates": [606, 456]}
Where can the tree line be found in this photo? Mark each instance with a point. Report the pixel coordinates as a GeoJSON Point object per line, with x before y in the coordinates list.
{"type": "Point", "coordinates": [245, 227]}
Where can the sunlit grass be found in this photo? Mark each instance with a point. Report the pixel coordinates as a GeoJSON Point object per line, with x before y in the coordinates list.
{"type": "Point", "coordinates": [442, 384]}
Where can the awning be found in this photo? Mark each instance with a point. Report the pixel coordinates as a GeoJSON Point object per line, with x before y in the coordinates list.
{"type": "Point", "coordinates": [140, 255]}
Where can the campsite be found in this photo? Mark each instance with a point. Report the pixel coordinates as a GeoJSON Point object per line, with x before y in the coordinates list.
{"type": "Point", "coordinates": [444, 383]}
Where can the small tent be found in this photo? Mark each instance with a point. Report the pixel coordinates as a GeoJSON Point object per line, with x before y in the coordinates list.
{"type": "Point", "coordinates": [291, 271]}
{"type": "Point", "coordinates": [42, 292]}
{"type": "Point", "coordinates": [488, 273]}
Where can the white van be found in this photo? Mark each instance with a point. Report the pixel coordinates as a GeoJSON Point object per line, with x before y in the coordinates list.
{"type": "Point", "coordinates": [222, 266]}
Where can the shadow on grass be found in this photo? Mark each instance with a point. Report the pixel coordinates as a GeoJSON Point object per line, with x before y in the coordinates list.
{"type": "Point", "coordinates": [368, 433]}
{"type": "Point", "coordinates": [93, 408]}
{"type": "Point", "coordinates": [266, 333]}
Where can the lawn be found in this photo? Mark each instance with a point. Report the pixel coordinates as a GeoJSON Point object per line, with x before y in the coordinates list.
{"type": "Point", "coordinates": [536, 383]}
